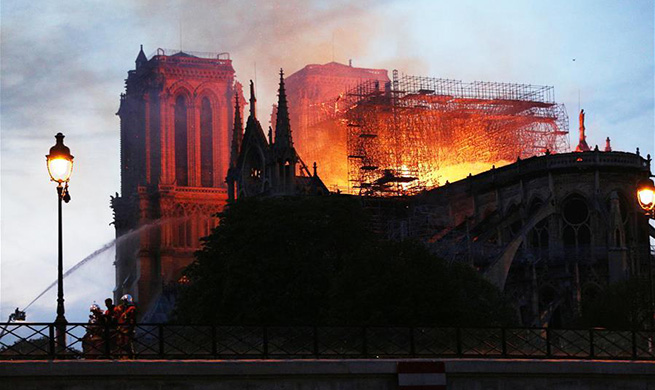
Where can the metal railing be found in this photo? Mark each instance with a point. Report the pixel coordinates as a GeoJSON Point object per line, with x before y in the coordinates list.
{"type": "Point", "coordinates": [34, 341]}
{"type": "Point", "coordinates": [200, 54]}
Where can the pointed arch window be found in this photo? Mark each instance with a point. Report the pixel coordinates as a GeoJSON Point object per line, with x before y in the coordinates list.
{"type": "Point", "coordinates": [576, 235]}
{"type": "Point", "coordinates": [181, 147]}
{"type": "Point", "coordinates": [253, 171]}
{"type": "Point", "coordinates": [206, 144]}
{"type": "Point", "coordinates": [538, 236]}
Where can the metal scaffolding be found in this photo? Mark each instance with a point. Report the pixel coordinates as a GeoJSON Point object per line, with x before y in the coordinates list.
{"type": "Point", "coordinates": [401, 134]}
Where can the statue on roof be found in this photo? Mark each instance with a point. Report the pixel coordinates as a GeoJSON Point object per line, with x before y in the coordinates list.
{"type": "Point", "coordinates": [582, 143]}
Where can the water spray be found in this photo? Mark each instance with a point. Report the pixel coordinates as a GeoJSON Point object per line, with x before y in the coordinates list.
{"type": "Point", "coordinates": [99, 251]}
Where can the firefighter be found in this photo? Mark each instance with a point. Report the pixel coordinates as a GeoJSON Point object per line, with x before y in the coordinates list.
{"type": "Point", "coordinates": [92, 341]}
{"type": "Point", "coordinates": [111, 316]}
{"type": "Point", "coordinates": [126, 325]}
{"type": "Point", "coordinates": [111, 320]}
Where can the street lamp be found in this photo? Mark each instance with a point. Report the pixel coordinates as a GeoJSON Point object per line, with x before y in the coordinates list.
{"type": "Point", "coordinates": [60, 167]}
{"type": "Point", "coordinates": [646, 200]}
{"type": "Point", "coordinates": [646, 196]}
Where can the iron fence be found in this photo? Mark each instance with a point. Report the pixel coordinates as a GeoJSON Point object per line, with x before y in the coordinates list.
{"type": "Point", "coordinates": [33, 341]}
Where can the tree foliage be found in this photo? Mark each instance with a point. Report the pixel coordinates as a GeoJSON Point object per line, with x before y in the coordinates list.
{"type": "Point", "coordinates": [623, 305]}
{"type": "Point", "coordinates": [313, 260]}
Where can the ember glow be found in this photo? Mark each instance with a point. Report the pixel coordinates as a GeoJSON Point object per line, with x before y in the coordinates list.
{"type": "Point", "coordinates": [400, 136]}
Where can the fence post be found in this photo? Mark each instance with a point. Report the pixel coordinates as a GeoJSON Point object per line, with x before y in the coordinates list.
{"type": "Point", "coordinates": [503, 342]}
{"type": "Point", "coordinates": [160, 331]}
{"type": "Point", "coordinates": [548, 350]}
{"type": "Point", "coordinates": [364, 342]}
{"type": "Point", "coordinates": [458, 341]}
{"type": "Point", "coordinates": [412, 346]}
{"type": "Point", "coordinates": [315, 342]}
{"type": "Point", "coordinates": [591, 343]}
{"type": "Point", "coordinates": [634, 344]}
{"type": "Point", "coordinates": [107, 335]}
{"type": "Point", "coordinates": [51, 340]}
{"type": "Point", "coordinates": [214, 348]}
{"type": "Point", "coordinates": [265, 340]}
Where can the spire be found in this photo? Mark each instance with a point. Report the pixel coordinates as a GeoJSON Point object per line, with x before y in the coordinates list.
{"type": "Point", "coordinates": [582, 143]}
{"type": "Point", "coordinates": [608, 147]}
{"type": "Point", "coordinates": [282, 127]}
{"type": "Point", "coordinates": [237, 133]}
{"type": "Point", "coordinates": [141, 58]}
{"type": "Point", "coordinates": [253, 100]}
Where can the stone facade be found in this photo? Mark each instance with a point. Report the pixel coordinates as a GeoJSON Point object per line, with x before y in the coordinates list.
{"type": "Point", "coordinates": [551, 230]}
{"type": "Point", "coordinates": [176, 116]}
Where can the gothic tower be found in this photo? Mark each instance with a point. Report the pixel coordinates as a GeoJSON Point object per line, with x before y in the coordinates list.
{"type": "Point", "coordinates": [176, 118]}
{"type": "Point", "coordinates": [268, 167]}
{"type": "Point", "coordinates": [237, 140]}
{"type": "Point", "coordinates": [285, 158]}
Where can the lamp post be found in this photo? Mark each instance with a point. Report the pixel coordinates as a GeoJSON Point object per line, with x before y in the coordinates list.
{"type": "Point", "coordinates": [60, 166]}
{"type": "Point", "coordinates": [646, 199]}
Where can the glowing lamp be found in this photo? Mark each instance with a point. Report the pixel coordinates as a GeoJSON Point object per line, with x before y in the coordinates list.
{"type": "Point", "coordinates": [646, 195]}
{"type": "Point", "coordinates": [646, 198]}
{"type": "Point", "coordinates": [60, 161]}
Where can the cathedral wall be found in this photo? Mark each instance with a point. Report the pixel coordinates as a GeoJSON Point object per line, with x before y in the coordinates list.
{"type": "Point", "coordinates": [594, 235]}
{"type": "Point", "coordinates": [163, 217]}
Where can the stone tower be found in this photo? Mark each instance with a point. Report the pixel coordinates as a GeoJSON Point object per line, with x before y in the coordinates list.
{"type": "Point", "coordinates": [314, 94]}
{"type": "Point", "coordinates": [176, 118]}
{"type": "Point", "coordinates": [285, 158]}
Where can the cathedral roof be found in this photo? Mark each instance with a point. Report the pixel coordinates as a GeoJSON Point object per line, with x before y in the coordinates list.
{"type": "Point", "coordinates": [332, 69]}
{"type": "Point", "coordinates": [311, 185]}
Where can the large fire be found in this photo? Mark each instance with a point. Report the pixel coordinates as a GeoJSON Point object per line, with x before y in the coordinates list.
{"type": "Point", "coordinates": [414, 133]}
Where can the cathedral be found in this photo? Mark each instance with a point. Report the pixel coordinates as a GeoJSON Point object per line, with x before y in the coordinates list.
{"type": "Point", "coordinates": [551, 231]}
{"type": "Point", "coordinates": [184, 155]}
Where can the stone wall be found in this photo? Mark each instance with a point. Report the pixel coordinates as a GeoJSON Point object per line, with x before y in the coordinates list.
{"type": "Point", "coordinates": [549, 230]}
{"type": "Point", "coordinates": [321, 374]}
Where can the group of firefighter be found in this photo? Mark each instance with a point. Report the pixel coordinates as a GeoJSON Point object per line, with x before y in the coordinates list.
{"type": "Point", "coordinates": [111, 330]}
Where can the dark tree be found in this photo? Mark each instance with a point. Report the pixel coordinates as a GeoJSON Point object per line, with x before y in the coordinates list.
{"type": "Point", "coordinates": [313, 260]}
{"type": "Point", "coordinates": [35, 347]}
{"type": "Point", "coordinates": [402, 283]}
{"type": "Point", "coordinates": [623, 305]}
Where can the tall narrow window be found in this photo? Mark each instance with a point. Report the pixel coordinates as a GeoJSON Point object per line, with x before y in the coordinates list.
{"type": "Point", "coordinates": [188, 242]}
{"type": "Point", "coordinates": [181, 160]}
{"type": "Point", "coordinates": [206, 147]}
{"type": "Point", "coordinates": [155, 140]}
{"type": "Point", "coordinates": [181, 234]}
